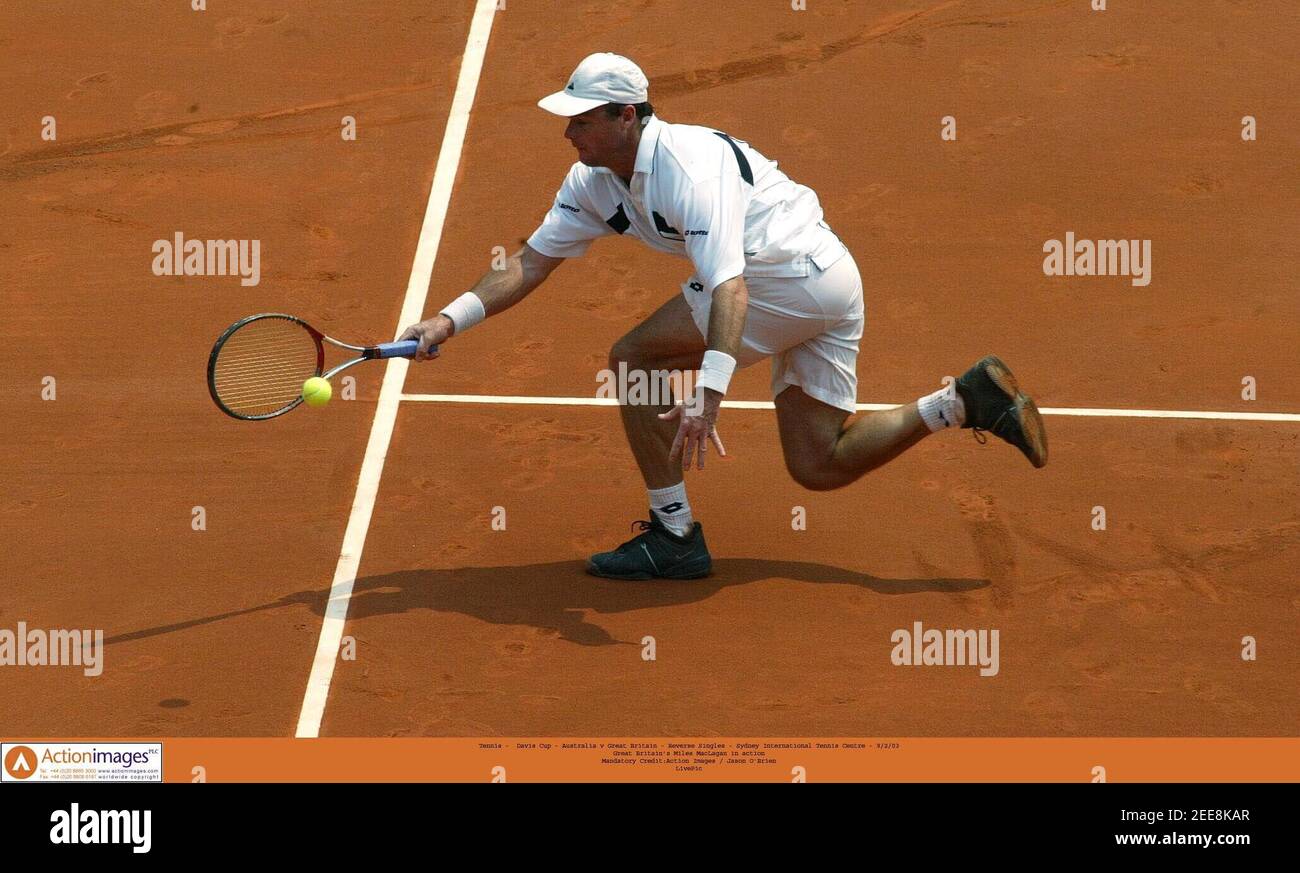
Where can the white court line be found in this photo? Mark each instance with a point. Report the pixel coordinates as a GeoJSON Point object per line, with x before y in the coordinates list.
{"type": "Point", "coordinates": [390, 394]}
{"type": "Point", "coordinates": [862, 407]}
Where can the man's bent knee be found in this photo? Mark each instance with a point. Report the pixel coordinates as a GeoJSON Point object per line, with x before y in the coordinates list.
{"type": "Point", "coordinates": [631, 353]}
{"type": "Point", "coordinates": [622, 352]}
{"type": "Point", "coordinates": [824, 476]}
{"type": "Point", "coordinates": [636, 356]}
{"type": "Point", "coordinates": [809, 432]}
{"type": "Point", "coordinates": [635, 348]}
{"type": "Point", "coordinates": [637, 368]}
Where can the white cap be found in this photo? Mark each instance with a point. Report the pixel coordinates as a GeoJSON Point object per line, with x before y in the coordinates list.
{"type": "Point", "coordinates": [600, 78]}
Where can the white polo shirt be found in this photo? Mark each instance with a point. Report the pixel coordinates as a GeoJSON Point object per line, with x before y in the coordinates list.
{"type": "Point", "coordinates": [699, 194]}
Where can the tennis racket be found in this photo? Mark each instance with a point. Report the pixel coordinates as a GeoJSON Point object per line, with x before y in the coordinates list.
{"type": "Point", "coordinates": [259, 363]}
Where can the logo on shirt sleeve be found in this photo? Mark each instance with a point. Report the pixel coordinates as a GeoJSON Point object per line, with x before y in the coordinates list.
{"type": "Point", "coordinates": [570, 208]}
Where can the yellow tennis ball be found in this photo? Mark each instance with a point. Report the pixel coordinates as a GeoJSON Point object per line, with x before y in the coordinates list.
{"type": "Point", "coordinates": [317, 391]}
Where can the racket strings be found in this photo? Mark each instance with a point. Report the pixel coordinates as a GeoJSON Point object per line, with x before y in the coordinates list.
{"type": "Point", "coordinates": [261, 366]}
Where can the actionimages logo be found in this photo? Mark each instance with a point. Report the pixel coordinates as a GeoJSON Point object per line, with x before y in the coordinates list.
{"type": "Point", "coordinates": [81, 762]}
{"type": "Point", "coordinates": [20, 763]}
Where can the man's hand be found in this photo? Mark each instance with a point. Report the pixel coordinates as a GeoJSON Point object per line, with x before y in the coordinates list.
{"type": "Point", "coordinates": [432, 332]}
{"type": "Point", "coordinates": [697, 428]}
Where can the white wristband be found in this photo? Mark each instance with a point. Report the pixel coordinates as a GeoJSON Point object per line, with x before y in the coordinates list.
{"type": "Point", "coordinates": [716, 371]}
{"type": "Point", "coordinates": [465, 311]}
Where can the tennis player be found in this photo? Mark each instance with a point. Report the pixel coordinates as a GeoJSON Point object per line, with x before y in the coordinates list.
{"type": "Point", "coordinates": [771, 280]}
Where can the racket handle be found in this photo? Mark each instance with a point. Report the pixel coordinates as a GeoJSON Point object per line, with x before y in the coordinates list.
{"type": "Point", "coordinates": [404, 349]}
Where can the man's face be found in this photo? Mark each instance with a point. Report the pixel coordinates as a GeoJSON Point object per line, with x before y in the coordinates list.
{"type": "Point", "coordinates": [597, 137]}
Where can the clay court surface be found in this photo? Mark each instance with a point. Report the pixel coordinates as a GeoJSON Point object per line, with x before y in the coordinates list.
{"type": "Point", "coordinates": [225, 124]}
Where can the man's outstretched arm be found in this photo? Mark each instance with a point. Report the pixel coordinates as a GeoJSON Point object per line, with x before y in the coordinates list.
{"type": "Point", "coordinates": [497, 291]}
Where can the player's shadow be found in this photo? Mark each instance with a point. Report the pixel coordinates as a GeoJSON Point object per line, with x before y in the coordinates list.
{"type": "Point", "coordinates": [552, 597]}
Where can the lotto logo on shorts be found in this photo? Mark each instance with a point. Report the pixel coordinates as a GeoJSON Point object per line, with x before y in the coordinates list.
{"type": "Point", "coordinates": [81, 762]}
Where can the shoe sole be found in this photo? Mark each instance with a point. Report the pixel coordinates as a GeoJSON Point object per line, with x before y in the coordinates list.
{"type": "Point", "coordinates": [1031, 421]}
{"type": "Point", "coordinates": [646, 577]}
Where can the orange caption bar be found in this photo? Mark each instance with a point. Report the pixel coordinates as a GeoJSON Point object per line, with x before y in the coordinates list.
{"type": "Point", "coordinates": [677, 759]}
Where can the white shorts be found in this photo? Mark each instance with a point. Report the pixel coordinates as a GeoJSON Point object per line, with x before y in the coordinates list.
{"type": "Point", "coordinates": [809, 326]}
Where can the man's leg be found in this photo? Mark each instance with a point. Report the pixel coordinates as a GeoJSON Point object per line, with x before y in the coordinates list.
{"type": "Point", "coordinates": [667, 340]}
{"type": "Point", "coordinates": [814, 383]}
{"type": "Point", "coordinates": [823, 450]}
{"type": "Point", "coordinates": [672, 544]}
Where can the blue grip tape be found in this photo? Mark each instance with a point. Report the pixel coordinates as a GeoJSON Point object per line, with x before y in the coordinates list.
{"type": "Point", "coordinates": [404, 349]}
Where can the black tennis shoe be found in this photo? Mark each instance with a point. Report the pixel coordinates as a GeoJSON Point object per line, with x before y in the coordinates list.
{"type": "Point", "coordinates": [995, 403]}
{"type": "Point", "coordinates": [657, 553]}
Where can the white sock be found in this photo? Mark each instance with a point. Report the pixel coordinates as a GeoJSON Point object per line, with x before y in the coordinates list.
{"type": "Point", "coordinates": [672, 508]}
{"type": "Point", "coordinates": [942, 409]}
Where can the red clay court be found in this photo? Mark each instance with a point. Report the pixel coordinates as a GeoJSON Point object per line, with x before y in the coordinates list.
{"type": "Point", "coordinates": [225, 124]}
